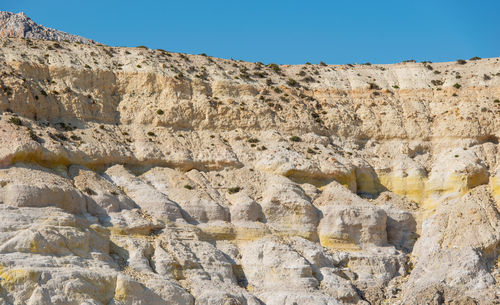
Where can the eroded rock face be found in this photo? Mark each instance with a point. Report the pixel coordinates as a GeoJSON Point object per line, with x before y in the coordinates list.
{"type": "Point", "coordinates": [137, 176]}
{"type": "Point", "coordinates": [457, 252]}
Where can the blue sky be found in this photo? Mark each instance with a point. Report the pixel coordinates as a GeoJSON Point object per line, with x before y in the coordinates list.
{"type": "Point", "coordinates": [284, 32]}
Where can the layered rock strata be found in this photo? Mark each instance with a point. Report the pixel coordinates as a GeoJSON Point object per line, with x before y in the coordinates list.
{"type": "Point", "coordinates": [139, 176]}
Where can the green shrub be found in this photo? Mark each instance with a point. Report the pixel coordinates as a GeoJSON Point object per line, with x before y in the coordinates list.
{"type": "Point", "coordinates": [322, 63]}
{"type": "Point", "coordinates": [395, 87]}
{"type": "Point", "coordinates": [292, 83]}
{"type": "Point", "coordinates": [33, 136]}
{"type": "Point", "coordinates": [151, 134]}
{"type": "Point", "coordinates": [295, 139]}
{"type": "Point", "coordinates": [16, 121]}
{"type": "Point", "coordinates": [475, 58]}
{"type": "Point", "coordinates": [275, 67]}
{"type": "Point", "coordinates": [187, 186]}
{"type": "Point", "coordinates": [461, 61]}
{"type": "Point", "coordinates": [159, 112]}
{"type": "Point", "coordinates": [253, 140]}
{"type": "Point", "coordinates": [437, 82]}
{"type": "Point", "coordinates": [457, 86]}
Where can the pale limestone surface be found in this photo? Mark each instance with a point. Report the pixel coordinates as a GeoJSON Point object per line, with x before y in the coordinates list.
{"type": "Point", "coordinates": [138, 176]}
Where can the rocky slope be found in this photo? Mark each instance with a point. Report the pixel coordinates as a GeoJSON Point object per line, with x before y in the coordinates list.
{"type": "Point", "coordinates": [138, 176]}
{"type": "Point", "coordinates": [20, 25]}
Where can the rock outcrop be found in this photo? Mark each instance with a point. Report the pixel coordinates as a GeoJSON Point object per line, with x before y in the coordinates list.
{"type": "Point", "coordinates": [138, 176]}
{"type": "Point", "coordinates": [20, 25]}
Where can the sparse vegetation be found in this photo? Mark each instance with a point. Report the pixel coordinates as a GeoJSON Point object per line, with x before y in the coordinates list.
{"type": "Point", "coordinates": [292, 83]}
{"type": "Point", "coordinates": [151, 134]}
{"type": "Point", "coordinates": [75, 138]}
{"type": "Point", "coordinates": [457, 86]}
{"type": "Point", "coordinates": [475, 58]}
{"type": "Point", "coordinates": [295, 139]}
{"type": "Point", "coordinates": [275, 67]}
{"type": "Point", "coordinates": [33, 136]}
{"type": "Point", "coordinates": [234, 190]}
{"type": "Point", "coordinates": [65, 126]}
{"type": "Point", "coordinates": [321, 63]}
{"type": "Point", "coordinates": [16, 121]}
{"type": "Point", "coordinates": [437, 82]}
{"type": "Point", "coordinates": [7, 90]}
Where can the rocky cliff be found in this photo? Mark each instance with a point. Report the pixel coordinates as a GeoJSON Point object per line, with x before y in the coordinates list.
{"type": "Point", "coordinates": [139, 176]}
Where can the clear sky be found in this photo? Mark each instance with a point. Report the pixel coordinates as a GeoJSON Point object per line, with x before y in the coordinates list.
{"type": "Point", "coordinates": [284, 32]}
